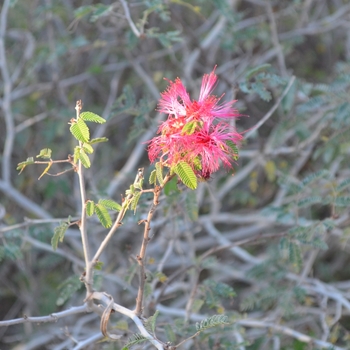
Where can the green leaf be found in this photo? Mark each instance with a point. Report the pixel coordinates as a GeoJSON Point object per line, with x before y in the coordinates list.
{"type": "Point", "coordinates": [159, 173]}
{"type": "Point", "coordinates": [234, 149]}
{"type": "Point", "coordinates": [186, 174]}
{"type": "Point", "coordinates": [295, 257]}
{"type": "Point", "coordinates": [257, 70]}
{"type": "Point", "coordinates": [306, 202]}
{"type": "Point", "coordinates": [191, 127]}
{"type": "Point", "coordinates": [191, 206]}
{"type": "Point", "coordinates": [103, 215]}
{"type": "Point", "coordinates": [150, 323]}
{"type": "Point", "coordinates": [90, 207]}
{"type": "Point", "coordinates": [98, 265]}
{"type": "Point", "coordinates": [98, 140]}
{"type": "Point", "coordinates": [212, 321]}
{"type": "Point", "coordinates": [45, 153]}
{"type": "Point", "coordinates": [87, 148]}
{"type": "Point", "coordinates": [92, 117]}
{"type": "Point", "coordinates": [343, 201]}
{"type": "Point", "coordinates": [59, 233]}
{"type": "Point", "coordinates": [153, 177]}
{"type": "Point", "coordinates": [171, 187]}
{"type": "Point", "coordinates": [169, 333]}
{"type": "Point", "coordinates": [100, 11]}
{"type": "Point", "coordinates": [110, 204]}
{"type": "Point", "coordinates": [135, 339]}
{"type": "Point", "coordinates": [68, 288]}
{"type": "Point", "coordinates": [343, 185]}
{"type": "Point", "coordinates": [84, 158]}
{"type": "Point", "coordinates": [80, 130]}
{"type": "Point", "coordinates": [22, 165]}
{"type": "Point", "coordinates": [83, 11]}
{"type": "Point", "coordinates": [135, 200]}
{"type": "Point", "coordinates": [315, 176]}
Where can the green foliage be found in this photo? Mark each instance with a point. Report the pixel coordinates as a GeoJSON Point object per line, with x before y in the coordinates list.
{"type": "Point", "coordinates": [110, 204]}
{"type": "Point", "coordinates": [98, 140]}
{"type": "Point", "coordinates": [59, 233]}
{"type": "Point", "coordinates": [215, 292]}
{"type": "Point", "coordinates": [186, 174]}
{"type": "Point", "coordinates": [150, 323]}
{"type": "Point", "coordinates": [191, 206]}
{"type": "Point", "coordinates": [90, 208]}
{"type": "Point", "coordinates": [134, 340]}
{"type": "Point", "coordinates": [80, 130]}
{"type": "Point", "coordinates": [159, 173]}
{"type": "Point", "coordinates": [92, 117]}
{"type": "Point", "coordinates": [256, 80]}
{"type": "Point", "coordinates": [191, 127]}
{"type": "Point", "coordinates": [212, 321]}
{"type": "Point", "coordinates": [21, 166]}
{"type": "Point", "coordinates": [233, 148]}
{"type": "Point", "coordinates": [68, 288]}
{"type": "Point", "coordinates": [103, 215]}
{"type": "Point", "coordinates": [45, 153]}
{"type": "Point", "coordinates": [153, 177]}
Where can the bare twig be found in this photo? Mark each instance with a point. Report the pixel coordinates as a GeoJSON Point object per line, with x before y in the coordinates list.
{"type": "Point", "coordinates": [146, 238]}
{"type": "Point", "coordinates": [6, 102]}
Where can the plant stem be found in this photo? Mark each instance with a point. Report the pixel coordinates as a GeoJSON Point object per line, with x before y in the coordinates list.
{"type": "Point", "coordinates": [82, 226]}
{"type": "Point", "coordinates": [118, 221]}
{"type": "Point", "coordinates": [141, 257]}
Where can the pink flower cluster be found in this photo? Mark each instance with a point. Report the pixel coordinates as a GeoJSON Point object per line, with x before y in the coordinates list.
{"type": "Point", "coordinates": [196, 132]}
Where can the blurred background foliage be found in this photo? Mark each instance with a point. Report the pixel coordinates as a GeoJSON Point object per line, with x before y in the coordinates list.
{"type": "Point", "coordinates": [268, 246]}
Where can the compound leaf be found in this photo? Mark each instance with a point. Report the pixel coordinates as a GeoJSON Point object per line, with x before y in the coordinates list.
{"type": "Point", "coordinates": [80, 130]}
{"type": "Point", "coordinates": [45, 153]}
{"type": "Point", "coordinates": [90, 207]}
{"type": "Point", "coordinates": [92, 117]}
{"type": "Point", "coordinates": [212, 321]}
{"type": "Point", "coordinates": [103, 215]}
{"type": "Point", "coordinates": [186, 174]}
{"type": "Point", "coordinates": [109, 204]}
{"type": "Point", "coordinates": [59, 233]}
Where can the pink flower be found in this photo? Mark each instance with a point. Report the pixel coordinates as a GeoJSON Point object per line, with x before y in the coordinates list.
{"type": "Point", "coordinates": [196, 132]}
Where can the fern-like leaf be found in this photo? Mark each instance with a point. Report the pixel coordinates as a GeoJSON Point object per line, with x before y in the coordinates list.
{"type": "Point", "coordinates": [135, 200]}
{"type": "Point", "coordinates": [90, 207]}
{"type": "Point", "coordinates": [80, 130]}
{"type": "Point", "coordinates": [212, 321]}
{"type": "Point", "coordinates": [88, 148]}
{"type": "Point", "coordinates": [109, 204]}
{"type": "Point", "coordinates": [92, 117]}
{"type": "Point", "coordinates": [159, 173]}
{"type": "Point", "coordinates": [135, 339]}
{"type": "Point", "coordinates": [84, 158]}
{"type": "Point", "coordinates": [186, 174]}
{"type": "Point", "coordinates": [153, 177]}
{"type": "Point", "coordinates": [150, 323]}
{"type": "Point", "coordinates": [103, 215]}
{"type": "Point", "coordinates": [98, 140]}
{"type": "Point", "coordinates": [59, 233]}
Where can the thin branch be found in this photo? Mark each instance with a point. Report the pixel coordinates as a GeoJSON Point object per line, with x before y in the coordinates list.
{"type": "Point", "coordinates": [82, 225]}
{"type": "Point", "coordinates": [276, 43]}
{"type": "Point", "coordinates": [23, 201]}
{"type": "Point", "coordinates": [146, 238]}
{"type": "Point", "coordinates": [54, 317]}
{"type": "Point", "coordinates": [272, 110]}
{"type": "Point", "coordinates": [118, 221]}
{"type": "Point", "coordinates": [6, 102]}
{"type": "Point", "coordinates": [129, 19]}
